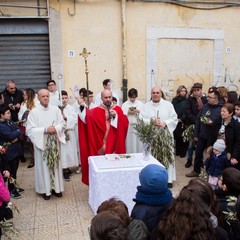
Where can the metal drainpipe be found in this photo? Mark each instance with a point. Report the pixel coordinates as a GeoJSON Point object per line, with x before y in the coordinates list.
{"type": "Point", "coordinates": [124, 47]}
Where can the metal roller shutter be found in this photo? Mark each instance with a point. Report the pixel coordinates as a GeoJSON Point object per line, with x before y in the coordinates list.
{"type": "Point", "coordinates": [25, 57]}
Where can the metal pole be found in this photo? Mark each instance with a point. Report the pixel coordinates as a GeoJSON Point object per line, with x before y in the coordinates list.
{"type": "Point", "coordinates": [124, 50]}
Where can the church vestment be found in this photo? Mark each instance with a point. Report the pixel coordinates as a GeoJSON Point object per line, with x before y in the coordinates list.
{"type": "Point", "coordinates": [69, 155]}
{"type": "Point", "coordinates": [133, 144]}
{"type": "Point", "coordinates": [165, 111]}
{"type": "Point", "coordinates": [39, 119]}
{"type": "Point", "coordinates": [99, 135]}
{"type": "Point", "coordinates": [54, 98]}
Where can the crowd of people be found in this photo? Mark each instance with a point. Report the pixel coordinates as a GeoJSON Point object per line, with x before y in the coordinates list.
{"type": "Point", "coordinates": [198, 212]}
{"type": "Point", "coordinates": [60, 136]}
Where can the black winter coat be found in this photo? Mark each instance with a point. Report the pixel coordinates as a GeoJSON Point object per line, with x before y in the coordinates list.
{"type": "Point", "coordinates": [232, 139]}
{"type": "Point", "coordinates": [179, 104]}
{"type": "Point", "coordinates": [15, 98]}
{"type": "Point", "coordinates": [10, 132]}
{"type": "Point", "coordinates": [150, 215]}
{"type": "Point", "coordinates": [208, 132]}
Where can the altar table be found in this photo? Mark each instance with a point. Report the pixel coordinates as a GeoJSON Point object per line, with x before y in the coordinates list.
{"type": "Point", "coordinates": [115, 178]}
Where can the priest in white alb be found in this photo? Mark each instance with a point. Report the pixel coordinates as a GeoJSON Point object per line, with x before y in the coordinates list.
{"type": "Point", "coordinates": [131, 108]}
{"type": "Point", "coordinates": [164, 116]}
{"type": "Point", "coordinates": [45, 128]}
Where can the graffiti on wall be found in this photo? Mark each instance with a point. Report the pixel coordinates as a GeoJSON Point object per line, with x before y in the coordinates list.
{"type": "Point", "coordinates": [231, 79]}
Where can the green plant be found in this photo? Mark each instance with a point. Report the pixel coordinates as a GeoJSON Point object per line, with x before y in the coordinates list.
{"type": "Point", "coordinates": [160, 139]}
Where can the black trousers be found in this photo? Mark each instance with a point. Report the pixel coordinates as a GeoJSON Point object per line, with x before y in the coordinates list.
{"type": "Point", "coordinates": [13, 167]}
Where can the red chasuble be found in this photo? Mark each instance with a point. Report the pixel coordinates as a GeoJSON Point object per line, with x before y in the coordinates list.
{"type": "Point", "coordinates": [92, 136]}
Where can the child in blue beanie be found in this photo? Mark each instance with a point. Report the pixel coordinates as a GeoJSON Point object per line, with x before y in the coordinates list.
{"type": "Point", "coordinates": [153, 196]}
{"type": "Point", "coordinates": [216, 162]}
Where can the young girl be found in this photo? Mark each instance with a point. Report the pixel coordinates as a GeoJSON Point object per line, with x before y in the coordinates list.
{"type": "Point", "coordinates": [30, 102]}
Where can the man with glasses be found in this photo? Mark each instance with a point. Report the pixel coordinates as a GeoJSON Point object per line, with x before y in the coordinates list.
{"type": "Point", "coordinates": [194, 104]}
{"type": "Point", "coordinates": [204, 131]}
{"type": "Point", "coordinates": [54, 93]}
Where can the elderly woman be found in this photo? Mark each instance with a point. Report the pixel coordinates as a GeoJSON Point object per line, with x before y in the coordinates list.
{"type": "Point", "coordinates": [229, 131]}
{"type": "Point", "coordinates": [179, 103]}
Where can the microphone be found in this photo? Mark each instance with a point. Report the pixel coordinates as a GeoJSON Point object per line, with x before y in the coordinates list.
{"type": "Point", "coordinates": [108, 105]}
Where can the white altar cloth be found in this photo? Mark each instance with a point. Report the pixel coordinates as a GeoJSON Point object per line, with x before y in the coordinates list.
{"type": "Point", "coordinates": [116, 178]}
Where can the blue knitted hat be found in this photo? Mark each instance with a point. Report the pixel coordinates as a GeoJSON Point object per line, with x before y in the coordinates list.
{"type": "Point", "coordinates": [154, 178]}
{"type": "Point", "coordinates": [153, 189]}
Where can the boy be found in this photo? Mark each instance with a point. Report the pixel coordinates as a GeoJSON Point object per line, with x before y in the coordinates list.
{"type": "Point", "coordinates": [237, 111]}
{"type": "Point", "coordinates": [69, 155]}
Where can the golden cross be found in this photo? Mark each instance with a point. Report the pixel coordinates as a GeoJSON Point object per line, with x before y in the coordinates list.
{"type": "Point", "coordinates": [84, 53]}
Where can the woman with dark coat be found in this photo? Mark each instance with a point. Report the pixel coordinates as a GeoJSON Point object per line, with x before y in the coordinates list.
{"type": "Point", "coordinates": [179, 103]}
{"type": "Point", "coordinates": [229, 131]}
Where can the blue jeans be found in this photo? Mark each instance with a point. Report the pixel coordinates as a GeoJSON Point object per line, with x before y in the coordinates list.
{"type": "Point", "coordinates": [190, 151]}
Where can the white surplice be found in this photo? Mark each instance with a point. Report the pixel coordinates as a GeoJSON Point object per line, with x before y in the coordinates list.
{"type": "Point", "coordinates": [69, 150]}
{"type": "Point", "coordinates": [39, 119]}
{"type": "Point", "coordinates": [54, 98]}
{"type": "Point", "coordinates": [165, 111]}
{"type": "Point", "coordinates": [133, 145]}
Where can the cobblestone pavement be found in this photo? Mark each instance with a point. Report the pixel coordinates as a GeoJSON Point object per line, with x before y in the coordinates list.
{"type": "Point", "coordinates": [65, 218]}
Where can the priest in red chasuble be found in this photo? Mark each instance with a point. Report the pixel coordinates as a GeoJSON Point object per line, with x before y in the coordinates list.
{"type": "Point", "coordinates": [102, 130]}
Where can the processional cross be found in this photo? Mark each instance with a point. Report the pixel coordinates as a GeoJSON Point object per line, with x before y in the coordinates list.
{"type": "Point", "coordinates": [85, 54]}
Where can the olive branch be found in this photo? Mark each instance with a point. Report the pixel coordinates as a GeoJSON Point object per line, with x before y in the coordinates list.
{"type": "Point", "coordinates": [51, 155]}
{"type": "Point", "coordinates": [160, 139]}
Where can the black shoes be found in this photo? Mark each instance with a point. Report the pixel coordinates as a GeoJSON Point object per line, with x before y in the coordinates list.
{"type": "Point", "coordinates": [20, 190]}
{"type": "Point", "coordinates": [45, 197]}
{"type": "Point", "coordinates": [15, 194]}
{"type": "Point", "coordinates": [188, 164]}
{"type": "Point", "coordinates": [66, 176]}
{"type": "Point", "coordinates": [23, 159]}
{"type": "Point", "coordinates": [59, 195]}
